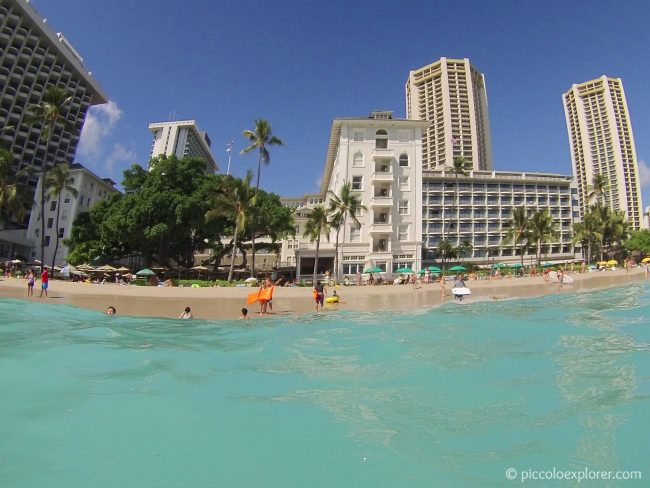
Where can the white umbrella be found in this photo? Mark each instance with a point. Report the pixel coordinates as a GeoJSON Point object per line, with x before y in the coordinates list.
{"type": "Point", "coordinates": [199, 268]}
{"type": "Point", "coordinates": [250, 280]}
{"type": "Point", "coordinates": [16, 261]}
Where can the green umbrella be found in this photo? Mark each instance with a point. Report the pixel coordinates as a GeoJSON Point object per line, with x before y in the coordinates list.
{"type": "Point", "coordinates": [499, 265]}
{"type": "Point", "coordinates": [458, 268]}
{"type": "Point", "coordinates": [404, 270]}
{"type": "Point", "coordinates": [434, 269]}
{"type": "Point", "coordinates": [373, 270]}
{"type": "Point", "coordinates": [145, 272]}
{"type": "Point", "coordinates": [547, 265]}
{"type": "Point", "coordinates": [516, 266]}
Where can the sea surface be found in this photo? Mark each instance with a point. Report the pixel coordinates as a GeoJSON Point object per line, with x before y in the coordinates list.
{"type": "Point", "coordinates": [448, 396]}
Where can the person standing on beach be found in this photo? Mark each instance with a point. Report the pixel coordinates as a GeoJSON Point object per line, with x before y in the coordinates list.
{"type": "Point", "coordinates": [358, 278]}
{"type": "Point", "coordinates": [45, 278]}
{"type": "Point", "coordinates": [319, 295]}
{"type": "Point", "coordinates": [560, 278]}
{"type": "Point", "coordinates": [30, 283]}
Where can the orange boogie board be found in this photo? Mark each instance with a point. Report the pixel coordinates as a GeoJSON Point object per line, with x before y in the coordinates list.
{"type": "Point", "coordinates": [265, 294]}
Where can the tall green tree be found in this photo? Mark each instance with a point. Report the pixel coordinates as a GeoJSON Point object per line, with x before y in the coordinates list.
{"type": "Point", "coordinates": [598, 188]}
{"type": "Point", "coordinates": [446, 250]}
{"type": "Point", "coordinates": [589, 233]}
{"type": "Point", "coordinates": [58, 181]}
{"type": "Point", "coordinates": [541, 230]}
{"type": "Point", "coordinates": [259, 138]}
{"type": "Point", "coordinates": [50, 114]}
{"type": "Point", "coordinates": [519, 230]}
{"type": "Point", "coordinates": [345, 204]}
{"type": "Point", "coordinates": [639, 241]}
{"type": "Point", "coordinates": [15, 195]}
{"type": "Point", "coordinates": [317, 224]}
{"type": "Point", "coordinates": [236, 199]}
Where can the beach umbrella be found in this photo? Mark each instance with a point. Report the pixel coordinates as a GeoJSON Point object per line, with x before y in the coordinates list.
{"type": "Point", "coordinates": [516, 266]}
{"type": "Point", "coordinates": [16, 261]}
{"type": "Point", "coordinates": [145, 272]}
{"type": "Point", "coordinates": [199, 268]}
{"type": "Point", "coordinates": [122, 269]}
{"type": "Point", "coordinates": [250, 280]}
{"type": "Point", "coordinates": [547, 265]}
{"type": "Point", "coordinates": [602, 263]}
{"type": "Point", "coordinates": [646, 260]}
{"type": "Point", "coordinates": [458, 268]}
{"type": "Point", "coordinates": [499, 265]}
{"type": "Point", "coordinates": [434, 269]}
{"type": "Point", "coordinates": [612, 262]}
{"type": "Point", "coordinates": [404, 270]}
{"type": "Point", "coordinates": [106, 269]}
{"type": "Point", "coordinates": [373, 270]}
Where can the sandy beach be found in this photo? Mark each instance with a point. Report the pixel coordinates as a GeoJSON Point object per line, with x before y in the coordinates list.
{"type": "Point", "coordinates": [226, 303]}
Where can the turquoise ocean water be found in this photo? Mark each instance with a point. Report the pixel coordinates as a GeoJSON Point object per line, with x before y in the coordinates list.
{"type": "Point", "coordinates": [449, 396]}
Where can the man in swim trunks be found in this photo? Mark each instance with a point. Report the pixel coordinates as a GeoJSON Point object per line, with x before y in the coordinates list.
{"type": "Point", "coordinates": [45, 278]}
{"type": "Point", "coordinates": [319, 295]}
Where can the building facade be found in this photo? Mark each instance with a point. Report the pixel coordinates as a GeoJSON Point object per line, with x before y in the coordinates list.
{"type": "Point", "coordinates": [601, 141]}
{"type": "Point", "coordinates": [451, 95]}
{"type": "Point", "coordinates": [33, 58]}
{"type": "Point", "coordinates": [477, 209]}
{"type": "Point", "coordinates": [182, 138]}
{"type": "Point", "coordinates": [382, 159]}
{"type": "Point", "coordinates": [90, 187]}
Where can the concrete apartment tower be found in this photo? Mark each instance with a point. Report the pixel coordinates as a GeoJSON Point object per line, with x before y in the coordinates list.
{"type": "Point", "coordinates": [32, 58]}
{"type": "Point", "coordinates": [182, 138]}
{"type": "Point", "coordinates": [451, 95]}
{"type": "Point", "coordinates": [601, 141]}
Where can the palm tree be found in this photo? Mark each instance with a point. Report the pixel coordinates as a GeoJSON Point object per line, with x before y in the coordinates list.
{"type": "Point", "coordinates": [346, 204]}
{"type": "Point", "coordinates": [598, 188]}
{"type": "Point", "coordinates": [15, 198]}
{"type": "Point", "coordinates": [50, 115]}
{"type": "Point", "coordinates": [588, 232]}
{"type": "Point", "coordinates": [519, 230]}
{"type": "Point", "coordinates": [259, 138]}
{"type": "Point", "coordinates": [58, 181]}
{"type": "Point", "coordinates": [541, 230]}
{"type": "Point", "coordinates": [460, 167]}
{"type": "Point", "coordinates": [446, 250]}
{"type": "Point", "coordinates": [237, 199]}
{"type": "Point", "coordinates": [317, 225]}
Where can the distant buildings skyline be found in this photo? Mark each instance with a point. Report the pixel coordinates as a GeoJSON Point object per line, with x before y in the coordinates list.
{"type": "Point", "coordinates": [601, 141]}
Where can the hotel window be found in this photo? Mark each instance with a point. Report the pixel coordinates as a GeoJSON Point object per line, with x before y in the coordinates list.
{"type": "Point", "coordinates": [403, 160]}
{"type": "Point", "coordinates": [52, 205]}
{"type": "Point", "coordinates": [355, 233]}
{"type": "Point", "coordinates": [381, 139]}
{"type": "Point", "coordinates": [358, 136]}
{"type": "Point", "coordinates": [37, 232]}
{"type": "Point", "coordinates": [61, 231]}
{"type": "Point", "coordinates": [403, 182]}
{"type": "Point", "coordinates": [67, 198]}
{"type": "Point", "coordinates": [403, 232]}
{"type": "Point", "coordinates": [50, 222]}
{"type": "Point", "coordinates": [47, 241]}
{"type": "Point", "coordinates": [403, 207]}
{"type": "Point", "coordinates": [357, 182]}
{"type": "Point", "coordinates": [357, 160]}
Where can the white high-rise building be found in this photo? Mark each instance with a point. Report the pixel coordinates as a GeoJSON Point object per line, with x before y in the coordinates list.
{"type": "Point", "coordinates": [90, 187]}
{"type": "Point", "coordinates": [451, 95]}
{"type": "Point", "coordinates": [33, 58]}
{"type": "Point", "coordinates": [601, 141]}
{"type": "Point", "coordinates": [382, 159]}
{"type": "Point", "coordinates": [182, 138]}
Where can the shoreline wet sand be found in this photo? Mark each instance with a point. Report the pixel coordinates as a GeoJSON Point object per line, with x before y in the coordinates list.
{"type": "Point", "coordinates": [225, 303]}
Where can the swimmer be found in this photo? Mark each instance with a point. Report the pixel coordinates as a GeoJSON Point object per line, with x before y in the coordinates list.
{"type": "Point", "coordinates": [111, 310]}
{"type": "Point", "coordinates": [244, 314]}
{"type": "Point", "coordinates": [187, 314]}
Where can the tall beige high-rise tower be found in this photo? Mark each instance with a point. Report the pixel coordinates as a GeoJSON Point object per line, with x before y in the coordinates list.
{"type": "Point", "coordinates": [601, 141]}
{"type": "Point", "coordinates": [450, 94]}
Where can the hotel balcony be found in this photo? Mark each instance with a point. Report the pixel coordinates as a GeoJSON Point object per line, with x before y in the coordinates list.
{"type": "Point", "coordinates": [378, 153]}
{"type": "Point", "coordinates": [381, 201]}
{"type": "Point", "coordinates": [382, 176]}
{"type": "Point", "coordinates": [381, 228]}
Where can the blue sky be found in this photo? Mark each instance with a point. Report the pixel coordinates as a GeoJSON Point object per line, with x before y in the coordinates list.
{"type": "Point", "coordinates": [301, 64]}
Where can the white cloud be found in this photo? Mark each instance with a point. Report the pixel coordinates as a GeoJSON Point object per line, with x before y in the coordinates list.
{"type": "Point", "coordinates": [99, 124]}
{"type": "Point", "coordinates": [644, 173]}
{"type": "Point", "coordinates": [120, 155]}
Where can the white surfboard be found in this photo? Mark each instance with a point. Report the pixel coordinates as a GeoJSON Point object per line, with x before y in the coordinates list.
{"type": "Point", "coordinates": [567, 280]}
{"type": "Point", "coordinates": [461, 291]}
